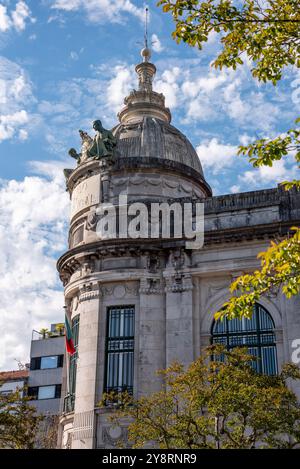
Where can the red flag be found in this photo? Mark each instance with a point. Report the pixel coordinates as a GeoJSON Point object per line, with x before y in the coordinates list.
{"type": "Point", "coordinates": [69, 337]}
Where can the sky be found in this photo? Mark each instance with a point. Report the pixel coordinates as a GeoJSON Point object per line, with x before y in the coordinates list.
{"type": "Point", "coordinates": [65, 63]}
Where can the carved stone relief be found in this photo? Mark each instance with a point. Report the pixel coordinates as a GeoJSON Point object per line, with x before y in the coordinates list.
{"type": "Point", "coordinates": [179, 283]}
{"type": "Point", "coordinates": [151, 285]}
{"type": "Point", "coordinates": [118, 291]}
{"type": "Point", "coordinates": [88, 291]}
{"type": "Point", "coordinates": [115, 437]}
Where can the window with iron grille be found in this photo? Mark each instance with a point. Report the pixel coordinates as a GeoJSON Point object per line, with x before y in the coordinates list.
{"type": "Point", "coordinates": [256, 333]}
{"type": "Point", "coordinates": [73, 358]}
{"type": "Point", "coordinates": [119, 349]}
{"type": "Point", "coordinates": [69, 400]}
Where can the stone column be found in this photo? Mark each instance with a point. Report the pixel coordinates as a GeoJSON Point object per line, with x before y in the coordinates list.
{"type": "Point", "coordinates": [179, 319]}
{"type": "Point", "coordinates": [84, 414]}
{"type": "Point", "coordinates": [152, 326]}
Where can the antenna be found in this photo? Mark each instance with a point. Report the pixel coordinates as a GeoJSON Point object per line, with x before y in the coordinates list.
{"type": "Point", "coordinates": [146, 27]}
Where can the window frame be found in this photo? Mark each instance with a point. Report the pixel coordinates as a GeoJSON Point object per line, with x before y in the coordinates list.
{"type": "Point", "coordinates": [33, 391]}
{"type": "Point", "coordinates": [49, 367]}
{"type": "Point", "coordinates": [259, 345]}
{"type": "Point", "coordinates": [36, 362]}
{"type": "Point", "coordinates": [118, 389]}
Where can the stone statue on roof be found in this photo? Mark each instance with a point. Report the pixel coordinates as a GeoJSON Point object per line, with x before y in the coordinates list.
{"type": "Point", "coordinates": [103, 143]}
{"type": "Point", "coordinates": [101, 146]}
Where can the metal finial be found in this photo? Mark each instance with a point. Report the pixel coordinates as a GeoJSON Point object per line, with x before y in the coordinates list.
{"type": "Point", "coordinates": [146, 52]}
{"type": "Point", "coordinates": [146, 28]}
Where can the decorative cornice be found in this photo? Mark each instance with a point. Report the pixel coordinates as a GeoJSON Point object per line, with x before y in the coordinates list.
{"type": "Point", "coordinates": [68, 263]}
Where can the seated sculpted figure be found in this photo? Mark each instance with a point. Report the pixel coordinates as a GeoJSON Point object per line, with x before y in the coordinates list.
{"type": "Point", "coordinates": [103, 143]}
{"type": "Point", "coordinates": [86, 143]}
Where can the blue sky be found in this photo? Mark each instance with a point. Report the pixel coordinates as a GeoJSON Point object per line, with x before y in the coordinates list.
{"type": "Point", "coordinates": [64, 63]}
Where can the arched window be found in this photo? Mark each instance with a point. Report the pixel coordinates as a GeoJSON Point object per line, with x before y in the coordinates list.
{"type": "Point", "coordinates": [256, 333]}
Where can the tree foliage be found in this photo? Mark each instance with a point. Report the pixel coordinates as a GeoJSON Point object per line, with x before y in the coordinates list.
{"type": "Point", "coordinates": [268, 34]}
{"type": "Point", "coordinates": [47, 434]}
{"type": "Point", "coordinates": [18, 421]}
{"type": "Point", "coordinates": [215, 404]}
{"type": "Point", "coordinates": [264, 152]}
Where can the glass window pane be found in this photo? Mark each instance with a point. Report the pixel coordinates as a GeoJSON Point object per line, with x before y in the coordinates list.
{"type": "Point", "coordinates": [255, 333]}
{"type": "Point", "coordinates": [49, 362]}
{"type": "Point", "coordinates": [46, 392]}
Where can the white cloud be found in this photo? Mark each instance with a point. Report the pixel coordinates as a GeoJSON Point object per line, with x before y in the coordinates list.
{"type": "Point", "coordinates": [245, 139]}
{"type": "Point", "coordinates": [235, 189]}
{"type": "Point", "coordinates": [119, 86]}
{"type": "Point", "coordinates": [156, 44]}
{"type": "Point", "coordinates": [248, 108]}
{"type": "Point", "coordinates": [17, 18]}
{"type": "Point", "coordinates": [10, 122]}
{"type": "Point", "coordinates": [167, 84]}
{"type": "Point", "coordinates": [5, 21]}
{"type": "Point", "coordinates": [15, 95]}
{"type": "Point", "coordinates": [236, 107]}
{"type": "Point", "coordinates": [216, 156]}
{"type": "Point", "coordinates": [32, 234]}
{"type": "Point", "coordinates": [74, 55]}
{"type": "Point", "coordinates": [208, 84]}
{"type": "Point", "coordinates": [281, 170]}
{"type": "Point", "coordinates": [205, 94]}
{"type": "Point", "coordinates": [20, 15]}
{"type": "Point", "coordinates": [102, 11]}
{"type": "Point", "coordinates": [23, 134]}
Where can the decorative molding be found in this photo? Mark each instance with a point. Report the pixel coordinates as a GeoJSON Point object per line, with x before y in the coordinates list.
{"type": "Point", "coordinates": [119, 291]}
{"type": "Point", "coordinates": [150, 286]}
{"type": "Point", "coordinates": [178, 259]}
{"type": "Point", "coordinates": [88, 291]}
{"type": "Point", "coordinates": [106, 291]}
{"type": "Point", "coordinates": [82, 265]}
{"type": "Point", "coordinates": [152, 262]}
{"type": "Point", "coordinates": [214, 289]}
{"type": "Point", "coordinates": [134, 290]}
{"type": "Point", "coordinates": [91, 220]}
{"type": "Point", "coordinates": [156, 182]}
{"type": "Point", "coordinates": [115, 290]}
{"type": "Point", "coordinates": [114, 437]}
{"type": "Point", "coordinates": [179, 283]}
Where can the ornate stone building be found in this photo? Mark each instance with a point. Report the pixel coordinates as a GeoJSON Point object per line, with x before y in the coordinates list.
{"type": "Point", "coordinates": [138, 304]}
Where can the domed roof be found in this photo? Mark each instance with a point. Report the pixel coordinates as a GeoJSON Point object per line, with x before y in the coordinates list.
{"type": "Point", "coordinates": [149, 136]}
{"type": "Point", "coordinates": [145, 129]}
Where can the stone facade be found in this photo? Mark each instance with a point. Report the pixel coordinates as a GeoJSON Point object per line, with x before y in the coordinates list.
{"type": "Point", "coordinates": [174, 291]}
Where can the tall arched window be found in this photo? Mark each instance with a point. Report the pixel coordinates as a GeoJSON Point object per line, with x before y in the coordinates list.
{"type": "Point", "coordinates": [256, 333]}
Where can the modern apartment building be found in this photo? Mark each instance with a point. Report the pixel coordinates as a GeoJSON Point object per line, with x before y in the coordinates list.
{"type": "Point", "coordinates": [45, 374]}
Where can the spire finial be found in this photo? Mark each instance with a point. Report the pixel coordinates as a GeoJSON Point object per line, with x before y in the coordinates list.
{"type": "Point", "coordinates": [146, 52]}
{"type": "Point", "coordinates": [146, 28]}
